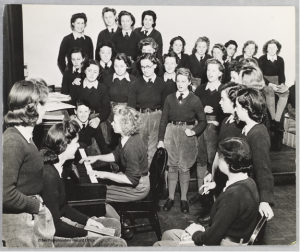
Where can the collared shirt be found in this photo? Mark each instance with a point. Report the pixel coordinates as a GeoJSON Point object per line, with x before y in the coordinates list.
{"type": "Point", "coordinates": [149, 31]}
{"type": "Point", "coordinates": [185, 94]}
{"type": "Point", "coordinates": [76, 35]}
{"type": "Point", "coordinates": [124, 139]}
{"type": "Point", "coordinates": [124, 32]}
{"type": "Point", "coordinates": [170, 76]}
{"type": "Point", "coordinates": [153, 77]}
{"type": "Point", "coordinates": [230, 119]}
{"type": "Point", "coordinates": [213, 86]}
{"type": "Point", "coordinates": [109, 63]}
{"type": "Point", "coordinates": [89, 84]}
{"type": "Point", "coordinates": [58, 168]}
{"type": "Point", "coordinates": [25, 132]}
{"type": "Point", "coordinates": [81, 123]}
{"type": "Point", "coordinates": [272, 58]}
{"type": "Point", "coordinates": [74, 69]}
{"type": "Point", "coordinates": [126, 76]}
{"type": "Point", "coordinates": [199, 56]}
{"type": "Point", "coordinates": [114, 27]}
{"type": "Point", "coordinates": [239, 177]}
{"type": "Point", "coordinates": [247, 128]}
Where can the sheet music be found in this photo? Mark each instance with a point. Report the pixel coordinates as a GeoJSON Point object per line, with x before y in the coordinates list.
{"type": "Point", "coordinates": [88, 167]}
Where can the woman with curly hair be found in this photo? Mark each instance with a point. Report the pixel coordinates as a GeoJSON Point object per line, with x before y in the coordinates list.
{"type": "Point", "coordinates": [177, 45]}
{"type": "Point", "coordinates": [231, 47]}
{"type": "Point", "coordinates": [219, 53]}
{"type": "Point", "coordinates": [132, 181]}
{"type": "Point", "coordinates": [249, 50]}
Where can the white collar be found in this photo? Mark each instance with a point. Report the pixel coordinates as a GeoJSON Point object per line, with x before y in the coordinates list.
{"type": "Point", "coordinates": [124, 32]}
{"type": "Point", "coordinates": [269, 57]}
{"type": "Point", "coordinates": [153, 77]}
{"type": "Point", "coordinates": [247, 128]}
{"type": "Point", "coordinates": [89, 85]}
{"type": "Point", "coordinates": [76, 35]}
{"type": "Point", "coordinates": [109, 63]}
{"type": "Point", "coordinates": [25, 132]}
{"type": "Point", "coordinates": [213, 86]}
{"type": "Point", "coordinates": [58, 168]}
{"type": "Point", "coordinates": [198, 56]}
{"type": "Point", "coordinates": [185, 94]}
{"type": "Point", "coordinates": [238, 177]}
{"type": "Point", "coordinates": [81, 123]}
{"type": "Point", "coordinates": [124, 140]}
{"type": "Point", "coordinates": [170, 76]}
{"type": "Point", "coordinates": [115, 27]}
{"type": "Point", "coordinates": [149, 31]}
{"type": "Point", "coordinates": [230, 119]}
{"type": "Point", "coordinates": [126, 76]}
{"type": "Point", "coordinates": [74, 69]}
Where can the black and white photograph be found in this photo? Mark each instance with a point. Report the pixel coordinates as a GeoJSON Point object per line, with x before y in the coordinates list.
{"type": "Point", "coordinates": [162, 125]}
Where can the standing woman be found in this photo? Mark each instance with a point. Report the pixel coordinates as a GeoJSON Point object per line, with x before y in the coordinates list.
{"type": "Point", "coordinates": [110, 19]}
{"type": "Point", "coordinates": [147, 95]}
{"type": "Point", "coordinates": [126, 41]}
{"type": "Point", "coordinates": [171, 61]}
{"type": "Point", "coordinates": [249, 50]}
{"type": "Point", "coordinates": [148, 30]}
{"type": "Point", "coordinates": [75, 39]}
{"type": "Point", "coordinates": [219, 52]}
{"type": "Point", "coordinates": [177, 133]}
{"type": "Point", "coordinates": [231, 47]}
{"type": "Point", "coordinates": [177, 45]}
{"type": "Point", "coordinates": [26, 221]}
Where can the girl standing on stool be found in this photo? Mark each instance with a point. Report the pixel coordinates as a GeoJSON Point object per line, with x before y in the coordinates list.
{"type": "Point", "coordinates": [177, 45]}
{"type": "Point", "coordinates": [147, 95]}
{"type": "Point", "coordinates": [177, 133]}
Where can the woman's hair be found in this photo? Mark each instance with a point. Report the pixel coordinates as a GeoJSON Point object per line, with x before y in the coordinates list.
{"type": "Point", "coordinates": [249, 42]}
{"type": "Point", "coordinates": [252, 77]}
{"type": "Point", "coordinates": [231, 42]}
{"type": "Point", "coordinates": [107, 9]}
{"type": "Point", "coordinates": [216, 62]}
{"type": "Point", "coordinates": [235, 66]}
{"type": "Point", "coordinates": [201, 39]}
{"type": "Point", "coordinates": [222, 48]}
{"type": "Point", "coordinates": [173, 41]}
{"type": "Point", "coordinates": [57, 140]}
{"type": "Point", "coordinates": [254, 102]}
{"type": "Point", "coordinates": [126, 13]}
{"type": "Point", "coordinates": [150, 56]}
{"type": "Point", "coordinates": [149, 13]}
{"type": "Point", "coordinates": [184, 71]}
{"type": "Point", "coordinates": [148, 41]}
{"type": "Point", "coordinates": [122, 56]}
{"type": "Point", "coordinates": [87, 64]}
{"type": "Point", "coordinates": [248, 62]}
{"type": "Point", "coordinates": [130, 119]}
{"type": "Point", "coordinates": [237, 154]}
{"type": "Point", "coordinates": [75, 50]}
{"type": "Point", "coordinates": [272, 41]}
{"type": "Point", "coordinates": [23, 100]}
{"type": "Point", "coordinates": [231, 89]}
{"type": "Point", "coordinates": [172, 55]}
{"type": "Point", "coordinates": [76, 16]}
{"type": "Point", "coordinates": [108, 44]}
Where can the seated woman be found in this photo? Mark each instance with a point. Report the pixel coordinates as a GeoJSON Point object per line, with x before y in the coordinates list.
{"type": "Point", "coordinates": [61, 145]}
{"type": "Point", "coordinates": [235, 212]}
{"type": "Point", "coordinates": [132, 181]}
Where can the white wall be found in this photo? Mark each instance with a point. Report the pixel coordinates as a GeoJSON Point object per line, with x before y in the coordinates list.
{"type": "Point", "coordinates": [46, 25]}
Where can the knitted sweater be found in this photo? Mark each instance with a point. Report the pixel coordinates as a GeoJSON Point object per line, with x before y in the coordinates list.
{"type": "Point", "coordinates": [66, 86]}
{"type": "Point", "coordinates": [198, 69]}
{"type": "Point", "coordinates": [270, 68]}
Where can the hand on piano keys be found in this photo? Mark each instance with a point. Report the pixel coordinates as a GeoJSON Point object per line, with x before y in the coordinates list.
{"type": "Point", "coordinates": [99, 174]}
{"type": "Point", "coordinates": [88, 160]}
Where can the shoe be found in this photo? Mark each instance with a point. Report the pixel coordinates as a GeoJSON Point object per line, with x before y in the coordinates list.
{"type": "Point", "coordinates": [127, 233]}
{"type": "Point", "coordinates": [279, 126]}
{"type": "Point", "coordinates": [184, 206]}
{"type": "Point", "coordinates": [168, 205]}
{"type": "Point", "coordinates": [195, 199]}
{"type": "Point", "coordinates": [204, 220]}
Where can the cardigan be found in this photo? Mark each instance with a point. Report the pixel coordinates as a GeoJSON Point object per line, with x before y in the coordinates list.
{"type": "Point", "coordinates": [66, 86]}
{"type": "Point", "coordinates": [184, 61]}
{"type": "Point", "coordinates": [198, 69]}
{"type": "Point", "coordinates": [69, 42]}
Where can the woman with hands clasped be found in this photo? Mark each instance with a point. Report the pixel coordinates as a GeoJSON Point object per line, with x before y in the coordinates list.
{"type": "Point", "coordinates": [234, 214]}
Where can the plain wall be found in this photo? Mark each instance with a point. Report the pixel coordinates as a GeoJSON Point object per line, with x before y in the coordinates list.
{"type": "Point", "coordinates": [46, 25]}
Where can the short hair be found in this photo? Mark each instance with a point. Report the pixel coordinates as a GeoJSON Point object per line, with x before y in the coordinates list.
{"type": "Point", "coordinates": [108, 44]}
{"type": "Point", "coordinates": [173, 41]}
{"type": "Point", "coordinates": [84, 102]}
{"type": "Point", "coordinates": [171, 55]}
{"type": "Point", "coordinates": [249, 42]}
{"type": "Point", "coordinates": [237, 154]}
{"type": "Point", "coordinates": [231, 89]}
{"type": "Point", "coordinates": [125, 58]}
{"type": "Point", "coordinates": [75, 50]}
{"type": "Point", "coordinates": [222, 48]}
{"type": "Point", "coordinates": [216, 62]}
{"type": "Point", "coordinates": [23, 100]}
{"type": "Point", "coordinates": [150, 56]}
{"type": "Point", "coordinates": [235, 66]}
{"type": "Point", "coordinates": [148, 41]}
{"type": "Point", "coordinates": [231, 42]}
{"type": "Point", "coordinates": [126, 13]}
{"type": "Point", "coordinates": [57, 140]}
{"type": "Point", "coordinates": [107, 9]}
{"type": "Point", "coordinates": [130, 119]}
{"type": "Point", "coordinates": [248, 62]}
{"type": "Point", "coordinates": [272, 41]}
{"type": "Point", "coordinates": [76, 16]}
{"type": "Point", "coordinates": [252, 77]}
{"type": "Point", "coordinates": [184, 71]}
{"type": "Point", "coordinates": [87, 64]}
{"type": "Point", "coordinates": [254, 102]}
{"type": "Point", "coordinates": [201, 39]}
{"type": "Point", "coordinates": [149, 13]}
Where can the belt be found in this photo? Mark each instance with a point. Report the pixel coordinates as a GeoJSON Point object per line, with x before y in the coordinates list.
{"type": "Point", "coordinates": [148, 110]}
{"type": "Point", "coordinates": [233, 239]}
{"type": "Point", "coordinates": [211, 118]}
{"type": "Point", "coordinates": [181, 123]}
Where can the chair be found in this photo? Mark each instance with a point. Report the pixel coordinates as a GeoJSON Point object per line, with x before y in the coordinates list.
{"type": "Point", "coordinates": [147, 207]}
{"type": "Point", "coordinates": [257, 229]}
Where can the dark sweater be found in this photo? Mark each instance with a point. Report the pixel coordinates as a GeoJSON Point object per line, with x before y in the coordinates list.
{"type": "Point", "coordinates": [54, 196]}
{"type": "Point", "coordinates": [233, 214]}
{"type": "Point", "coordinates": [66, 86]}
{"type": "Point", "coordinates": [118, 90]}
{"type": "Point", "coordinates": [145, 95]}
{"type": "Point", "coordinates": [22, 173]}
{"type": "Point", "coordinates": [270, 68]}
{"type": "Point", "coordinates": [188, 111]}
{"type": "Point", "coordinates": [98, 99]}
{"type": "Point", "coordinates": [129, 46]}
{"type": "Point", "coordinates": [171, 86]}
{"type": "Point", "coordinates": [106, 72]}
{"type": "Point", "coordinates": [198, 69]}
{"type": "Point", "coordinates": [226, 75]}
{"type": "Point", "coordinates": [68, 42]}
{"type": "Point", "coordinates": [242, 57]}
{"type": "Point", "coordinates": [137, 72]}
{"type": "Point", "coordinates": [132, 159]}
{"type": "Point", "coordinates": [259, 141]}
{"type": "Point", "coordinates": [184, 61]}
{"type": "Point", "coordinates": [233, 129]}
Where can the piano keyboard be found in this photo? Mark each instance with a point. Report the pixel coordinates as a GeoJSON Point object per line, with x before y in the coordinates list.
{"type": "Point", "coordinates": [88, 167]}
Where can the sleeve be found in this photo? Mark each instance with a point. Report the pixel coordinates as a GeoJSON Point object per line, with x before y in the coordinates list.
{"type": "Point", "coordinates": [164, 94]}
{"type": "Point", "coordinates": [160, 44]}
{"type": "Point", "coordinates": [281, 72]}
{"type": "Point", "coordinates": [97, 56]}
{"type": "Point", "coordinates": [98, 135]}
{"type": "Point", "coordinates": [164, 120]}
{"type": "Point", "coordinates": [13, 200]}
{"type": "Point", "coordinates": [114, 41]}
{"type": "Point", "coordinates": [91, 49]}
{"type": "Point", "coordinates": [105, 104]}
{"type": "Point", "coordinates": [261, 66]}
{"type": "Point", "coordinates": [63, 50]}
{"type": "Point", "coordinates": [116, 153]}
{"type": "Point", "coordinates": [200, 115]}
{"type": "Point", "coordinates": [65, 89]}
{"type": "Point", "coordinates": [133, 94]}
{"type": "Point", "coordinates": [187, 62]}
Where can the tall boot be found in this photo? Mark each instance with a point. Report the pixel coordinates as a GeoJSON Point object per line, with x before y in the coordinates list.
{"type": "Point", "coordinates": [184, 180]}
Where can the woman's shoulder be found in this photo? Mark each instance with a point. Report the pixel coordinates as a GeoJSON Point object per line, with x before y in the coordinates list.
{"type": "Point", "coordinates": [138, 29]}
{"type": "Point", "coordinates": [12, 136]}
{"type": "Point", "coordinates": [68, 37]}
{"type": "Point", "coordinates": [262, 57]}
{"type": "Point", "coordinates": [134, 141]}
{"type": "Point", "coordinates": [132, 77]}
{"type": "Point", "coordinates": [258, 132]}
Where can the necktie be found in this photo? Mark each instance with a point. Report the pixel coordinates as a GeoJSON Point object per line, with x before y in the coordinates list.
{"type": "Point", "coordinates": [201, 58]}
{"type": "Point", "coordinates": [77, 70]}
{"type": "Point", "coordinates": [126, 35]}
{"type": "Point", "coordinates": [83, 126]}
{"type": "Point", "coordinates": [106, 66]}
{"type": "Point", "coordinates": [146, 32]}
{"type": "Point", "coordinates": [180, 97]}
{"type": "Point", "coordinates": [149, 80]}
{"type": "Point", "coordinates": [112, 31]}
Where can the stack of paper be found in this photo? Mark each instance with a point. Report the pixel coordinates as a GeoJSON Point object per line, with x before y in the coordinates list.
{"type": "Point", "coordinates": [58, 97]}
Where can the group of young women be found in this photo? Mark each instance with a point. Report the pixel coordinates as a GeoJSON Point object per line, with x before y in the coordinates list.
{"type": "Point", "coordinates": [183, 103]}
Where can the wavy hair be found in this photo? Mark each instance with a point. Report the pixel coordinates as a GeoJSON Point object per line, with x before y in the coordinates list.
{"type": "Point", "coordinates": [125, 58]}
{"type": "Point", "coordinates": [173, 41]}
{"type": "Point", "coordinates": [126, 13]}
{"type": "Point", "coordinates": [149, 13]}
{"type": "Point", "coordinates": [76, 16]}
{"type": "Point", "coordinates": [148, 41]}
{"type": "Point", "coordinates": [108, 44]}
{"type": "Point", "coordinates": [184, 71]}
{"type": "Point", "coordinates": [201, 39]}
{"type": "Point", "coordinates": [222, 48]}
{"type": "Point", "coordinates": [231, 42]}
{"type": "Point", "coordinates": [75, 50]}
{"type": "Point", "coordinates": [252, 77]}
{"type": "Point", "coordinates": [87, 64]}
{"type": "Point", "coordinates": [249, 42]}
{"type": "Point", "coordinates": [272, 41]}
